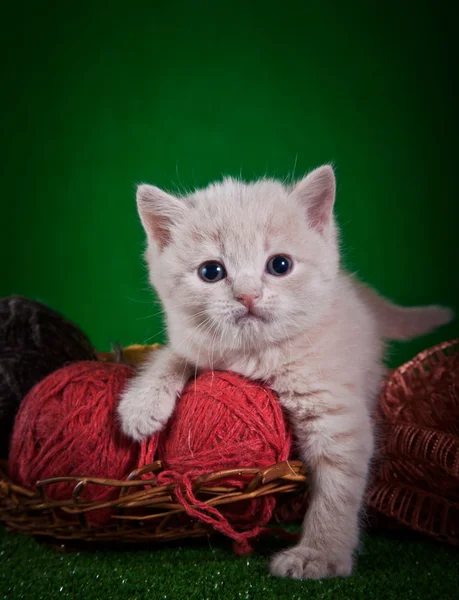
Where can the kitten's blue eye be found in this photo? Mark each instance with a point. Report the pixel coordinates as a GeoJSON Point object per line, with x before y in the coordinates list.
{"type": "Point", "coordinates": [211, 271]}
{"type": "Point", "coordinates": [279, 265]}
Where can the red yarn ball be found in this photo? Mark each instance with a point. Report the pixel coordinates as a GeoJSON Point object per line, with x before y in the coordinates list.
{"type": "Point", "coordinates": [223, 421]}
{"type": "Point", "coordinates": [67, 426]}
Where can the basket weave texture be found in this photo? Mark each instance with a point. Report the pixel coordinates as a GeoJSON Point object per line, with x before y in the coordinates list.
{"type": "Point", "coordinates": [417, 480]}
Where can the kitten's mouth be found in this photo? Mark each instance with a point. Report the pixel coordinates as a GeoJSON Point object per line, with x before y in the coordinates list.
{"type": "Point", "coordinates": [250, 317]}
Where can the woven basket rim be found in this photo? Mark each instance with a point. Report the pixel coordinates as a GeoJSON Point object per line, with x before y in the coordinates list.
{"type": "Point", "coordinates": [33, 512]}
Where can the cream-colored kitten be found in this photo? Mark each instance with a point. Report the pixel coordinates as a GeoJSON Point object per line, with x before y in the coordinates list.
{"type": "Point", "coordinates": [250, 279]}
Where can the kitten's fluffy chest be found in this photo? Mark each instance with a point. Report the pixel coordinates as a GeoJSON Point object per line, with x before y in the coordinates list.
{"type": "Point", "coordinates": [263, 365]}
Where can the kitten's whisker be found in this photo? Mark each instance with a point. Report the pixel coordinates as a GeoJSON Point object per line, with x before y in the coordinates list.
{"type": "Point", "coordinates": [164, 330]}
{"type": "Point", "coordinates": [163, 312]}
{"type": "Point", "coordinates": [199, 352]}
{"type": "Point", "coordinates": [223, 335]}
{"type": "Point", "coordinates": [213, 346]}
{"type": "Point", "coordinates": [193, 330]}
{"type": "Point", "coordinates": [155, 335]}
{"type": "Point", "coordinates": [139, 301]}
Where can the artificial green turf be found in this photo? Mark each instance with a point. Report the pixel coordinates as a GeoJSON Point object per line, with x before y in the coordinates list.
{"type": "Point", "coordinates": [197, 570]}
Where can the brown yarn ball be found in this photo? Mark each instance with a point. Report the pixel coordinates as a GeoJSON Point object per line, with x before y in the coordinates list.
{"type": "Point", "coordinates": [34, 341]}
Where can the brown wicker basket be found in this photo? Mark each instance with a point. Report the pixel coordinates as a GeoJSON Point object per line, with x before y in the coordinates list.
{"type": "Point", "coordinates": [417, 479]}
{"type": "Point", "coordinates": [142, 511]}
{"type": "Point", "coordinates": [419, 413]}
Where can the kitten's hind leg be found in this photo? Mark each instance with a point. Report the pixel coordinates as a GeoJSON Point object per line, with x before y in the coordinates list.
{"type": "Point", "coordinates": [149, 399]}
{"type": "Point", "coordinates": [337, 446]}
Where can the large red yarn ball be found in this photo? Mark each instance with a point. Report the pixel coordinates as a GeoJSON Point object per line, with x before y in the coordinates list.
{"type": "Point", "coordinates": [67, 426]}
{"type": "Point", "coordinates": [223, 420]}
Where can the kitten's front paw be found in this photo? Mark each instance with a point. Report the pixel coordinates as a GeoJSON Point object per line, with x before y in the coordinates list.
{"type": "Point", "coordinates": [302, 562]}
{"type": "Point", "coordinates": [138, 425]}
{"type": "Point", "coordinates": [144, 411]}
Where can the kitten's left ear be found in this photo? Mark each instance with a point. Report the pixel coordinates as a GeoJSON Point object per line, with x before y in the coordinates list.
{"type": "Point", "coordinates": [158, 211]}
{"type": "Point", "coordinates": [317, 194]}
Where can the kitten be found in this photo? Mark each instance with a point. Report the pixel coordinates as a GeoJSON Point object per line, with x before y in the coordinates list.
{"type": "Point", "coordinates": [250, 279]}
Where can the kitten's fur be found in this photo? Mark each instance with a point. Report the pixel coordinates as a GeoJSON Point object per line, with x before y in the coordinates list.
{"type": "Point", "coordinates": [318, 341]}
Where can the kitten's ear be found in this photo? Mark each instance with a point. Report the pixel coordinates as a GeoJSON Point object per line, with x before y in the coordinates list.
{"type": "Point", "coordinates": [158, 211]}
{"type": "Point", "coordinates": [317, 193]}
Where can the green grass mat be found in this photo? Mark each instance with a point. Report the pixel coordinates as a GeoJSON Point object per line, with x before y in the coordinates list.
{"type": "Point", "coordinates": [198, 570]}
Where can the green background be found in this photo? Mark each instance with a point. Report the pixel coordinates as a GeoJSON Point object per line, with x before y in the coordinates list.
{"type": "Point", "coordinates": [96, 98]}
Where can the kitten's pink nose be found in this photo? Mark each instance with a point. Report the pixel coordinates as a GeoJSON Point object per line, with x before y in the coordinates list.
{"type": "Point", "coordinates": [248, 300]}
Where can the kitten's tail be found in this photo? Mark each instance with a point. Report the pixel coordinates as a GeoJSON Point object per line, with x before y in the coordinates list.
{"type": "Point", "coordinates": [403, 322]}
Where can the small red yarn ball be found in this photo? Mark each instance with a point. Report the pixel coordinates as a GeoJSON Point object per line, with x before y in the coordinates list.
{"type": "Point", "coordinates": [223, 420]}
{"type": "Point", "coordinates": [67, 426]}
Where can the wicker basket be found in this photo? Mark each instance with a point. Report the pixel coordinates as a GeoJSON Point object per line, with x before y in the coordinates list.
{"type": "Point", "coordinates": [142, 511]}
{"type": "Point", "coordinates": [417, 481]}
{"type": "Point", "coordinates": [419, 410]}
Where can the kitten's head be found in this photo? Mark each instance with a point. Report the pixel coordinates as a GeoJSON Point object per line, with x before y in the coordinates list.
{"type": "Point", "coordinates": [243, 264]}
